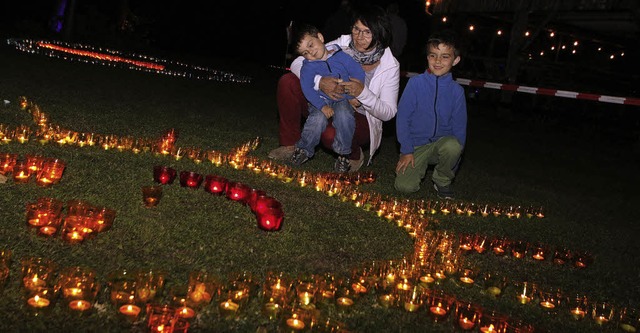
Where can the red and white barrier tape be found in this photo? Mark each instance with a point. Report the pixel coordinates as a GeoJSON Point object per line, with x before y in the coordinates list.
{"type": "Point", "coordinates": [543, 91]}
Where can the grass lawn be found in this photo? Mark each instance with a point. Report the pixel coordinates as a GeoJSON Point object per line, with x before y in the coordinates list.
{"type": "Point", "coordinates": [585, 178]}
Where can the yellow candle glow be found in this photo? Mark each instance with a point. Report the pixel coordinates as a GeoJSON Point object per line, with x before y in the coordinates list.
{"type": "Point", "coordinates": [38, 302]}
{"type": "Point", "coordinates": [130, 310]}
{"type": "Point", "coordinates": [295, 323]}
{"type": "Point", "coordinates": [344, 301]}
{"type": "Point", "coordinates": [538, 256]}
{"type": "Point", "coordinates": [186, 312]}
{"type": "Point", "coordinates": [627, 328]}
{"type": "Point", "coordinates": [79, 305]}
{"type": "Point", "coordinates": [47, 230]}
{"type": "Point", "coordinates": [495, 291]}
{"type": "Point", "coordinates": [577, 313]}
{"type": "Point", "coordinates": [547, 305]}
{"type": "Point", "coordinates": [34, 282]}
{"type": "Point", "coordinates": [411, 306]}
{"type": "Point", "coordinates": [428, 279]}
{"type": "Point", "coordinates": [486, 329]}
{"type": "Point", "coordinates": [72, 292]}
{"type": "Point", "coordinates": [438, 311]}
{"type": "Point", "coordinates": [466, 279]}
{"type": "Point", "coordinates": [524, 299]}
{"type": "Point", "coordinates": [601, 320]}
{"type": "Point", "coordinates": [466, 324]}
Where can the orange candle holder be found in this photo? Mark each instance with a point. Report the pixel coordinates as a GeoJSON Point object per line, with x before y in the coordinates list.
{"type": "Point", "coordinates": [202, 288]}
{"type": "Point", "coordinates": [21, 173]}
{"type": "Point", "coordinates": [151, 195]}
{"type": "Point", "coordinates": [149, 285]}
{"type": "Point", "coordinates": [79, 288]}
{"type": "Point", "coordinates": [578, 306]}
{"type": "Point", "coordinates": [492, 322]}
{"type": "Point", "coordinates": [7, 161]}
{"type": "Point", "coordinates": [467, 315]}
{"type": "Point", "coordinates": [439, 305]}
{"type": "Point", "coordinates": [51, 172]}
{"type": "Point", "coordinates": [103, 218]}
{"type": "Point", "coordinates": [45, 211]}
{"type": "Point", "coordinates": [37, 273]}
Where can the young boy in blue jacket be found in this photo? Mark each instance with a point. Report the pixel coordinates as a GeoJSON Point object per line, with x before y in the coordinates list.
{"type": "Point", "coordinates": [431, 123]}
{"type": "Point", "coordinates": [321, 60]}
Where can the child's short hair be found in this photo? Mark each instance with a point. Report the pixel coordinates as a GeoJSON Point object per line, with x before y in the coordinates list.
{"type": "Point", "coordinates": [300, 32]}
{"type": "Point", "coordinates": [446, 37]}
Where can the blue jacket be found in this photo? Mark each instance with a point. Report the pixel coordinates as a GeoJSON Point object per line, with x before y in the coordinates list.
{"type": "Point", "coordinates": [430, 107]}
{"type": "Point", "coordinates": [338, 64]}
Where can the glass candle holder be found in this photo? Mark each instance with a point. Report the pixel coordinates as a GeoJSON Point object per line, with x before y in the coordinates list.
{"type": "Point", "coordinates": [76, 229]}
{"type": "Point", "coordinates": [539, 251]}
{"type": "Point", "coordinates": [525, 291]}
{"type": "Point", "coordinates": [493, 283]}
{"type": "Point", "coordinates": [439, 305]}
{"type": "Point", "coordinates": [550, 299]}
{"type": "Point", "coordinates": [151, 195]}
{"type": "Point", "coordinates": [190, 179]}
{"type": "Point", "coordinates": [254, 195]}
{"type": "Point", "coordinates": [278, 286]}
{"type": "Point", "coordinates": [629, 319]}
{"type": "Point", "coordinates": [238, 192]}
{"type": "Point", "coordinates": [37, 273]}
{"type": "Point", "coordinates": [517, 326]}
{"type": "Point", "coordinates": [467, 276]}
{"type": "Point", "coordinates": [519, 249]}
{"type": "Point", "coordinates": [7, 161]}
{"type": "Point", "coordinates": [500, 246]}
{"type": "Point", "coordinates": [43, 211]}
{"type": "Point", "coordinates": [160, 317]}
{"type": "Point", "coordinates": [21, 173]}
{"type": "Point", "coordinates": [602, 313]}
{"type": "Point", "coordinates": [149, 285]}
{"type": "Point", "coordinates": [42, 299]}
{"type": "Point", "coordinates": [164, 175]}
{"type": "Point", "coordinates": [562, 256]}
{"type": "Point", "coordinates": [582, 259]}
{"type": "Point", "coordinates": [270, 219]}
{"type": "Point", "coordinates": [306, 294]}
{"type": "Point", "coordinates": [202, 288]}
{"type": "Point", "coordinates": [51, 172]}
{"type": "Point", "coordinates": [578, 306]}
{"type": "Point", "coordinates": [467, 315]}
{"type": "Point", "coordinates": [79, 288]}
{"type": "Point", "coordinates": [492, 322]}
{"type": "Point", "coordinates": [215, 185]}
{"type": "Point", "coordinates": [122, 287]}
{"type": "Point", "coordinates": [104, 218]}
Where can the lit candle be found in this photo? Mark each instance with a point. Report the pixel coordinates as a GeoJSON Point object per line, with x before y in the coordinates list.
{"type": "Point", "coordinates": [427, 279]}
{"type": "Point", "coordinates": [344, 302]}
{"type": "Point", "coordinates": [74, 237]}
{"type": "Point", "coordinates": [33, 283]}
{"type": "Point", "coordinates": [72, 292]}
{"type": "Point", "coordinates": [38, 302]}
{"type": "Point", "coordinates": [577, 313]}
{"type": "Point", "coordinates": [186, 312]}
{"type": "Point", "coordinates": [547, 305]}
{"type": "Point", "coordinates": [47, 231]}
{"type": "Point", "coordinates": [358, 288]}
{"type": "Point", "coordinates": [79, 305]}
{"type": "Point", "coordinates": [601, 320]}
{"type": "Point", "coordinates": [466, 324]}
{"type": "Point", "coordinates": [403, 285]}
{"type": "Point", "coordinates": [524, 299]}
{"type": "Point", "coordinates": [437, 311]}
{"type": "Point", "coordinates": [21, 177]}
{"type": "Point", "coordinates": [385, 300]}
{"type": "Point", "coordinates": [485, 329]}
{"type": "Point", "coordinates": [271, 309]}
{"type": "Point", "coordinates": [411, 306]}
{"type": "Point", "coordinates": [130, 310]}
{"type": "Point", "coordinates": [538, 256]}
{"type": "Point", "coordinates": [466, 280]}
{"type": "Point", "coordinates": [295, 323]}
{"type": "Point", "coordinates": [228, 308]}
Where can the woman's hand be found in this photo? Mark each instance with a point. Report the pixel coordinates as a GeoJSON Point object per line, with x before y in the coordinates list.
{"type": "Point", "coordinates": [330, 86]}
{"type": "Point", "coordinates": [353, 87]}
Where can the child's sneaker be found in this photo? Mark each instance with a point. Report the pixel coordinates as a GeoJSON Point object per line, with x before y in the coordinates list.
{"type": "Point", "coordinates": [444, 192]}
{"type": "Point", "coordinates": [299, 156]}
{"type": "Point", "coordinates": [342, 164]}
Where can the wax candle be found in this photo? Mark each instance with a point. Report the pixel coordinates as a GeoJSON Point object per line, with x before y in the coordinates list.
{"type": "Point", "coordinates": [524, 299]}
{"type": "Point", "coordinates": [215, 185]}
{"type": "Point", "coordinates": [495, 291]}
{"type": "Point", "coordinates": [130, 310]}
{"type": "Point", "coordinates": [190, 179]}
{"type": "Point", "coordinates": [386, 301]}
{"type": "Point", "coordinates": [628, 328]}
{"type": "Point", "coordinates": [47, 231]}
{"type": "Point", "coordinates": [38, 302]}
{"type": "Point", "coordinates": [577, 313]}
{"type": "Point", "coordinates": [228, 308]}
{"type": "Point", "coordinates": [601, 320]}
{"type": "Point", "coordinates": [186, 312]}
{"type": "Point", "coordinates": [411, 306]}
{"type": "Point", "coordinates": [164, 175]}
{"type": "Point", "coordinates": [438, 312]}
{"type": "Point", "coordinates": [466, 324]}
{"type": "Point", "coordinates": [344, 302]}
{"type": "Point", "coordinates": [295, 323]}
{"type": "Point", "coordinates": [487, 329]}
{"type": "Point", "coordinates": [270, 219]}
{"type": "Point", "coordinates": [547, 305]}
{"type": "Point", "coordinates": [238, 192]}
{"type": "Point", "coordinates": [79, 305]}
{"type": "Point", "coordinates": [466, 280]}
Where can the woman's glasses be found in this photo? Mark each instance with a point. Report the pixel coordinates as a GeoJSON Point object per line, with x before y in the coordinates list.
{"type": "Point", "coordinates": [365, 33]}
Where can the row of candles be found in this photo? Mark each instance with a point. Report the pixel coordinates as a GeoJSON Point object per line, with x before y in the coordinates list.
{"type": "Point", "coordinates": [267, 209]}
{"type": "Point", "coordinates": [47, 171]}
{"type": "Point", "coordinates": [101, 56]}
{"type": "Point", "coordinates": [294, 302]}
{"type": "Point", "coordinates": [80, 221]}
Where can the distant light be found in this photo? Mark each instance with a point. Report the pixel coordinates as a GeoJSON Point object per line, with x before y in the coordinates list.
{"type": "Point", "coordinates": [612, 56]}
{"type": "Point", "coordinates": [444, 19]}
{"type": "Point", "coordinates": [471, 28]}
{"type": "Point", "coordinates": [564, 47]}
{"type": "Point", "coordinates": [573, 51]}
{"type": "Point", "coordinates": [622, 54]}
{"type": "Point", "coordinates": [499, 32]}
{"type": "Point", "coordinates": [526, 34]}
{"type": "Point", "coordinates": [541, 53]}
{"type": "Point", "coordinates": [551, 34]}
{"type": "Point", "coordinates": [575, 43]}
{"type": "Point", "coordinates": [599, 49]}
{"type": "Point", "coordinates": [553, 47]}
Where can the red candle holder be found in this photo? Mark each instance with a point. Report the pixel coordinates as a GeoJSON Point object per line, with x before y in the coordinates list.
{"type": "Point", "coordinates": [270, 219]}
{"type": "Point", "coordinates": [216, 185]}
{"type": "Point", "coordinates": [265, 202]}
{"type": "Point", "coordinates": [21, 173]}
{"type": "Point", "coordinates": [238, 192]}
{"type": "Point", "coordinates": [253, 197]}
{"type": "Point", "coordinates": [164, 175]}
{"type": "Point", "coordinates": [42, 212]}
{"type": "Point", "coordinates": [190, 179]}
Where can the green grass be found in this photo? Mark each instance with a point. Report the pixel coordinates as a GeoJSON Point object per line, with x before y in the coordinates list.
{"type": "Point", "coordinates": [588, 186]}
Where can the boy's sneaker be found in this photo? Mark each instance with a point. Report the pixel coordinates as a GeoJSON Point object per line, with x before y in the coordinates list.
{"type": "Point", "coordinates": [342, 164]}
{"type": "Point", "coordinates": [355, 165]}
{"type": "Point", "coordinates": [299, 156]}
{"type": "Point", "coordinates": [444, 192]}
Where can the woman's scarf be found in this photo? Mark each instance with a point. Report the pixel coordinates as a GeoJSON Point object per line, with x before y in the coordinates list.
{"type": "Point", "coordinates": [364, 58]}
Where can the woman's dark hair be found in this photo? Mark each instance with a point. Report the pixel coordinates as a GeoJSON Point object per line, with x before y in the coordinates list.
{"type": "Point", "coordinates": [376, 19]}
